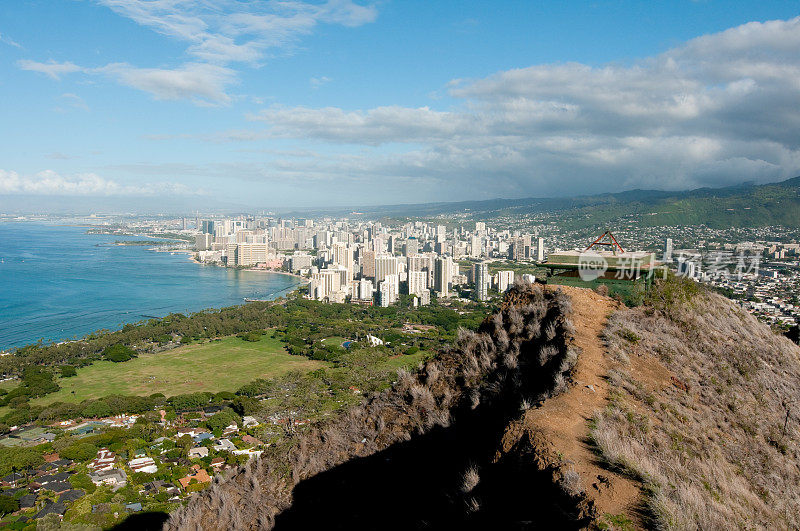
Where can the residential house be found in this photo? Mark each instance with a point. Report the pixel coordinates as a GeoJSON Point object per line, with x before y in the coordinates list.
{"type": "Point", "coordinates": [191, 432]}
{"type": "Point", "coordinates": [224, 444]}
{"type": "Point", "coordinates": [198, 452]}
{"type": "Point", "coordinates": [143, 464]}
{"type": "Point", "coordinates": [249, 439]}
{"type": "Point", "coordinates": [104, 461]}
{"type": "Point", "coordinates": [58, 486]}
{"type": "Point", "coordinates": [71, 495]}
{"type": "Point", "coordinates": [51, 507]}
{"type": "Point", "coordinates": [199, 475]}
{"type": "Point", "coordinates": [248, 421]}
{"type": "Point", "coordinates": [113, 477]}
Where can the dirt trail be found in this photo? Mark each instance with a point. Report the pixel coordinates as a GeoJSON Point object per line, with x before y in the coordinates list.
{"type": "Point", "coordinates": [559, 428]}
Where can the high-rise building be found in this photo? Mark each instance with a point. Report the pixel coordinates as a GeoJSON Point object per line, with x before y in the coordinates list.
{"type": "Point", "coordinates": [411, 247]}
{"type": "Point", "coordinates": [540, 249]}
{"type": "Point", "coordinates": [385, 265]}
{"type": "Point", "coordinates": [441, 233]}
{"type": "Point", "coordinates": [324, 283]}
{"type": "Point", "coordinates": [202, 242]}
{"type": "Point", "coordinates": [504, 280]}
{"type": "Point", "coordinates": [365, 290]}
{"type": "Point", "coordinates": [442, 274]}
{"type": "Point", "coordinates": [250, 254]}
{"type": "Point", "coordinates": [516, 249]}
{"type": "Point", "coordinates": [342, 255]}
{"type": "Point", "coordinates": [417, 282]}
{"type": "Point", "coordinates": [687, 268]}
{"type": "Point", "coordinates": [668, 250]}
{"type": "Point", "coordinates": [367, 264]}
{"type": "Point", "coordinates": [481, 276]}
{"type": "Point", "coordinates": [475, 246]}
{"type": "Point", "coordinates": [299, 261]}
{"type": "Point", "coordinates": [208, 226]}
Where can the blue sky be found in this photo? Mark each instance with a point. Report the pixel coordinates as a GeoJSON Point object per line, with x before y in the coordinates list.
{"type": "Point", "coordinates": [291, 103]}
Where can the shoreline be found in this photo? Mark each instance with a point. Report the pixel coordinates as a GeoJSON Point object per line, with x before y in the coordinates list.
{"type": "Point", "coordinates": [214, 264]}
{"type": "Point", "coordinates": [8, 350]}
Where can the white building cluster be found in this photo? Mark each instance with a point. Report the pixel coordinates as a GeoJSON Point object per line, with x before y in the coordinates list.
{"type": "Point", "coordinates": [365, 261]}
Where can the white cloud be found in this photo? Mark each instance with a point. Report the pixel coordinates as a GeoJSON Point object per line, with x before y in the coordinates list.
{"type": "Point", "coordinates": [317, 82]}
{"type": "Point", "coordinates": [74, 101]}
{"type": "Point", "coordinates": [217, 33]}
{"type": "Point", "coordinates": [232, 31]}
{"type": "Point", "coordinates": [202, 83]}
{"type": "Point", "coordinates": [375, 126]}
{"type": "Point", "coordinates": [51, 68]}
{"type": "Point", "coordinates": [8, 40]}
{"type": "Point", "coordinates": [719, 109]}
{"type": "Point", "coordinates": [48, 182]}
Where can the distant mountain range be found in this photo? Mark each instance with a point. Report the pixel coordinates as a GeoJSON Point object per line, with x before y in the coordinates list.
{"type": "Point", "coordinates": [745, 205]}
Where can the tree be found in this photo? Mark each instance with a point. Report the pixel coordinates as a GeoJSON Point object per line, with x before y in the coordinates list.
{"type": "Point", "coordinates": [119, 353]}
{"type": "Point", "coordinates": [221, 420]}
{"type": "Point", "coordinates": [18, 459]}
{"type": "Point", "coordinates": [8, 504]}
{"type": "Point", "coordinates": [81, 451]}
{"type": "Point", "coordinates": [82, 481]}
{"type": "Point", "coordinates": [68, 371]}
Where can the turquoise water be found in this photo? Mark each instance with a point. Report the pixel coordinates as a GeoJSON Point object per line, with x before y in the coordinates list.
{"type": "Point", "coordinates": [56, 283]}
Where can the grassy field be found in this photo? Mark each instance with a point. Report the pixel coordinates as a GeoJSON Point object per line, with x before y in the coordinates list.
{"type": "Point", "coordinates": [334, 340]}
{"type": "Point", "coordinates": [222, 365]}
{"type": "Point", "coordinates": [8, 385]}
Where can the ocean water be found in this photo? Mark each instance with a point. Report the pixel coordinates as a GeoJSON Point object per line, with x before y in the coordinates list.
{"type": "Point", "coordinates": [56, 283]}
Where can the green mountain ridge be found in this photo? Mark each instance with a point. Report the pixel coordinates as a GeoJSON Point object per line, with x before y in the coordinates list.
{"type": "Point", "coordinates": [744, 205]}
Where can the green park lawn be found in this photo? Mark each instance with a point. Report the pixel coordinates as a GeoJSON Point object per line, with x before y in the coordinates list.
{"type": "Point", "coordinates": [214, 366]}
{"type": "Point", "coordinates": [8, 385]}
{"type": "Point", "coordinates": [334, 340]}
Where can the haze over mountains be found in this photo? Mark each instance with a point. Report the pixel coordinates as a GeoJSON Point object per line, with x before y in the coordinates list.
{"type": "Point", "coordinates": [744, 205]}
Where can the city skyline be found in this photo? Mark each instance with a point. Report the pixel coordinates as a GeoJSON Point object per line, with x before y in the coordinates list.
{"type": "Point", "coordinates": [342, 103]}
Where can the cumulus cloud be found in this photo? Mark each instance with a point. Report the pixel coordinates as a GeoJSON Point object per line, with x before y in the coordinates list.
{"type": "Point", "coordinates": [719, 109]}
{"type": "Point", "coordinates": [202, 83]}
{"type": "Point", "coordinates": [48, 182]}
{"type": "Point", "coordinates": [52, 69]}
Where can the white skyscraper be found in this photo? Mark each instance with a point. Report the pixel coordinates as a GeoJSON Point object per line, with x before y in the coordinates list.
{"type": "Point", "coordinates": [482, 281]}
{"type": "Point", "coordinates": [540, 249]}
{"type": "Point", "coordinates": [504, 280]}
{"type": "Point", "coordinates": [417, 282]}
{"type": "Point", "coordinates": [475, 247]}
{"type": "Point", "coordinates": [668, 250]}
{"type": "Point", "coordinates": [442, 275]}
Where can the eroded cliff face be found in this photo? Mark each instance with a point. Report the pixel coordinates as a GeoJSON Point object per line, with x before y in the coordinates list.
{"type": "Point", "coordinates": [433, 451]}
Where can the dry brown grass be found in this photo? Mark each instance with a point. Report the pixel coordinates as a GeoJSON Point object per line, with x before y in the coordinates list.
{"type": "Point", "coordinates": [713, 446]}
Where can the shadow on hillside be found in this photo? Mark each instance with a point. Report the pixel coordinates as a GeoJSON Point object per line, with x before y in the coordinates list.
{"type": "Point", "coordinates": [418, 485]}
{"type": "Point", "coordinates": [149, 521]}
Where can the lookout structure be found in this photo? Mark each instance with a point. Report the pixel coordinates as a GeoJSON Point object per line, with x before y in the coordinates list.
{"type": "Point", "coordinates": [604, 261]}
